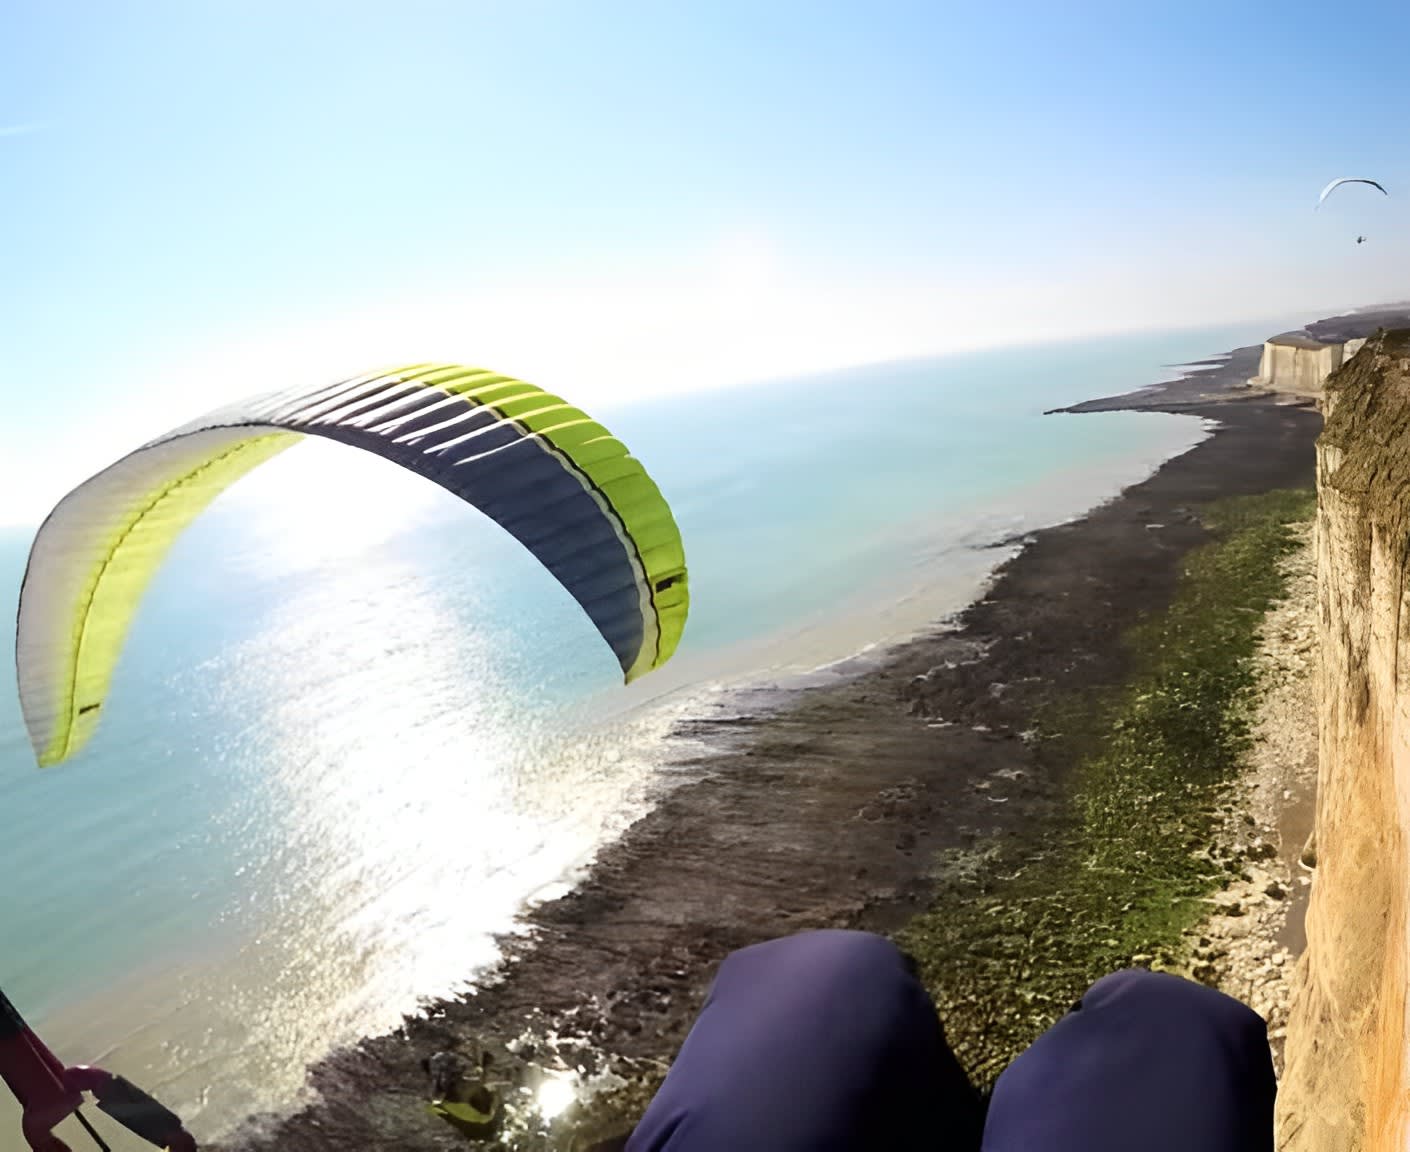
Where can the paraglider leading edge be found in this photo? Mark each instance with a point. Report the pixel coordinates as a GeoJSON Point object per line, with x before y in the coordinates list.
{"type": "Point", "coordinates": [1337, 183]}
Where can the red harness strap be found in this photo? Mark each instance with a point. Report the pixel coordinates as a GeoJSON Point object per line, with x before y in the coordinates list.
{"type": "Point", "coordinates": [37, 1079]}
{"type": "Point", "coordinates": [49, 1093]}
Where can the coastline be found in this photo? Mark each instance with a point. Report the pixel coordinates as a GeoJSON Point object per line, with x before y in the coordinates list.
{"type": "Point", "coordinates": [775, 831]}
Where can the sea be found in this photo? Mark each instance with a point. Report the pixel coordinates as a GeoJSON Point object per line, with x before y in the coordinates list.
{"type": "Point", "coordinates": [356, 729]}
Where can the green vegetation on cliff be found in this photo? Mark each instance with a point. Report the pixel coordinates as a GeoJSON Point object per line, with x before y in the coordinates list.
{"type": "Point", "coordinates": [1020, 928]}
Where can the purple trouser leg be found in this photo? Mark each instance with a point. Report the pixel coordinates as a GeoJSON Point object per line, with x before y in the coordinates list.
{"type": "Point", "coordinates": [821, 1042]}
{"type": "Point", "coordinates": [1146, 1062]}
{"type": "Point", "coordinates": [825, 1042]}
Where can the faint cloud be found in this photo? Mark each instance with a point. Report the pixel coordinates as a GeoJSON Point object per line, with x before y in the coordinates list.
{"type": "Point", "coordinates": [18, 129]}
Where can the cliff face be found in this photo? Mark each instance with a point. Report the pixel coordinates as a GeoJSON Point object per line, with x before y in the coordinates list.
{"type": "Point", "coordinates": [1347, 1079]}
{"type": "Point", "coordinates": [1301, 364]}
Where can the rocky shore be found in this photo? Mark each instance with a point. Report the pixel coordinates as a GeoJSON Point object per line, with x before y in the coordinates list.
{"type": "Point", "coordinates": [855, 805]}
{"type": "Point", "coordinates": [1249, 943]}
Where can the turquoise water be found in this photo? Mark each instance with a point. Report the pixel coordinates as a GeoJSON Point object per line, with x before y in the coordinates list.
{"type": "Point", "coordinates": [355, 727]}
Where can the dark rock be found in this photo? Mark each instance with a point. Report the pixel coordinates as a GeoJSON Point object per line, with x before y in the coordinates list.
{"type": "Point", "coordinates": [1308, 857]}
{"type": "Point", "coordinates": [445, 1069]}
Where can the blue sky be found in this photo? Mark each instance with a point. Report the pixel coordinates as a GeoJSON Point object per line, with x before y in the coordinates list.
{"type": "Point", "coordinates": [208, 198]}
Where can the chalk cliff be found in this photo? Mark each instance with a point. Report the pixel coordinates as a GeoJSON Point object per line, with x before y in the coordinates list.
{"type": "Point", "coordinates": [1300, 363]}
{"type": "Point", "coordinates": [1347, 1080]}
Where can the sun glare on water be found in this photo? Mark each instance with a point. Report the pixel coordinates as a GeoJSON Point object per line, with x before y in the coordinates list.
{"type": "Point", "coordinates": [556, 1094]}
{"type": "Point", "coordinates": [406, 776]}
{"type": "Point", "coordinates": [321, 502]}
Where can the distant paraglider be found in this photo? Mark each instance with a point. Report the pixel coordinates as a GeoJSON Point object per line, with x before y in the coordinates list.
{"type": "Point", "coordinates": [1337, 183]}
{"type": "Point", "coordinates": [543, 470]}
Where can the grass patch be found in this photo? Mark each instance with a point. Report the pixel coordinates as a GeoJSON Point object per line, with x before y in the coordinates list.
{"type": "Point", "coordinates": [1121, 873]}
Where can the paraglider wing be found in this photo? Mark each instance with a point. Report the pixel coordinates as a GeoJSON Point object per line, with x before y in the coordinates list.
{"type": "Point", "coordinates": [1327, 191]}
{"type": "Point", "coordinates": [543, 470]}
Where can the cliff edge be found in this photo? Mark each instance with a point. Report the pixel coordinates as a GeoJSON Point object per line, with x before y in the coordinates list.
{"type": "Point", "coordinates": [1347, 1080]}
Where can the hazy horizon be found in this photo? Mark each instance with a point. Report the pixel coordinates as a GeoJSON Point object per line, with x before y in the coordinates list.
{"type": "Point", "coordinates": [360, 479]}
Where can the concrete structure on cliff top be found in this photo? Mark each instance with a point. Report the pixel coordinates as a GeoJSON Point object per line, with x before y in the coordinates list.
{"type": "Point", "coordinates": [1300, 363]}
